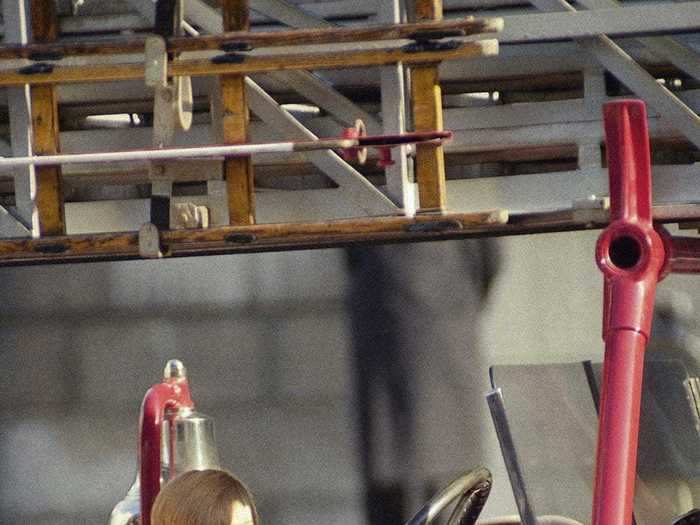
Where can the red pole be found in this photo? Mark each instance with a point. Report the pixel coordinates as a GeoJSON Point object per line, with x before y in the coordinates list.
{"type": "Point", "coordinates": [632, 256]}
{"type": "Point", "coordinates": [619, 426]}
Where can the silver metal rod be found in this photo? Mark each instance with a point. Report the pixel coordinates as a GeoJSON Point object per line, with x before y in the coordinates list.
{"type": "Point", "coordinates": [510, 456]}
{"type": "Point", "coordinates": [175, 153]}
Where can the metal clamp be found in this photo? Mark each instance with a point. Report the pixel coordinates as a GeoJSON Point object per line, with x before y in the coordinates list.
{"type": "Point", "coordinates": [43, 56]}
{"type": "Point", "coordinates": [435, 34]}
{"type": "Point", "coordinates": [149, 242]}
{"type": "Point", "coordinates": [173, 101]}
{"type": "Point", "coordinates": [36, 69]}
{"type": "Point", "coordinates": [229, 58]}
{"type": "Point", "coordinates": [354, 153]}
{"type": "Point", "coordinates": [433, 226]}
{"type": "Point", "coordinates": [235, 46]}
{"type": "Point", "coordinates": [591, 210]}
{"type": "Point", "coordinates": [189, 215]}
{"type": "Point", "coordinates": [156, 66]}
{"type": "Point", "coordinates": [421, 46]}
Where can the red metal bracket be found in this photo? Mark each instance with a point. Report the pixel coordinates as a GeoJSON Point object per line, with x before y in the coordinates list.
{"type": "Point", "coordinates": [633, 255]}
{"type": "Point", "coordinates": [171, 394]}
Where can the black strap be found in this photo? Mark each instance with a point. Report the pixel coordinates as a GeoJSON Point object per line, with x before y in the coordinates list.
{"type": "Point", "coordinates": [165, 18]}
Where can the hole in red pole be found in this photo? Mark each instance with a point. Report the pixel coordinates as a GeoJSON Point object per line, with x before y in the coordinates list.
{"type": "Point", "coordinates": [625, 252]}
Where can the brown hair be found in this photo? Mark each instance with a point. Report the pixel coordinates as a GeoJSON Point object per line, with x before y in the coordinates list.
{"type": "Point", "coordinates": [201, 497]}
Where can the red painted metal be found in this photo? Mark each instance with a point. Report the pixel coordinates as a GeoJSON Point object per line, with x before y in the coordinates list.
{"type": "Point", "coordinates": [169, 395]}
{"type": "Point", "coordinates": [385, 159]}
{"type": "Point", "coordinates": [633, 256]}
{"type": "Point", "coordinates": [683, 254]}
{"type": "Point", "coordinates": [384, 143]}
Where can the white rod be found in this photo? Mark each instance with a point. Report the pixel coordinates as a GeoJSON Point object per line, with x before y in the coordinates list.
{"type": "Point", "coordinates": [236, 150]}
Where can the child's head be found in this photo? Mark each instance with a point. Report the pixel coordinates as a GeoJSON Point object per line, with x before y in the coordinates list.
{"type": "Point", "coordinates": [204, 497]}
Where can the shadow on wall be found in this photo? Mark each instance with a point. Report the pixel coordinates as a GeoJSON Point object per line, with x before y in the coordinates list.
{"type": "Point", "coordinates": [267, 341]}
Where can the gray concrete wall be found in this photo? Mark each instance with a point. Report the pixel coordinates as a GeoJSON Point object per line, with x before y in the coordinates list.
{"type": "Point", "coordinates": [267, 344]}
{"type": "Point", "coordinates": [267, 349]}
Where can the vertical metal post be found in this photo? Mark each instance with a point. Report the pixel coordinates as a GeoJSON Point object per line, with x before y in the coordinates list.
{"type": "Point", "coordinates": [393, 89]}
{"type": "Point", "coordinates": [426, 97]}
{"type": "Point", "coordinates": [17, 31]}
{"type": "Point", "coordinates": [494, 399]}
{"type": "Point", "coordinates": [237, 171]}
{"type": "Point", "coordinates": [594, 96]}
{"type": "Point", "coordinates": [632, 256]}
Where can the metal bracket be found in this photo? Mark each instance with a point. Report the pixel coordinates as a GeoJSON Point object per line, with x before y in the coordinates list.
{"type": "Point", "coordinates": [421, 46]}
{"type": "Point", "coordinates": [189, 215]}
{"type": "Point", "coordinates": [156, 73]}
{"type": "Point", "coordinates": [433, 226]}
{"type": "Point", "coordinates": [149, 242]}
{"type": "Point", "coordinates": [356, 154]}
{"type": "Point", "coordinates": [232, 47]}
{"type": "Point", "coordinates": [36, 69]}
{"type": "Point", "coordinates": [436, 34]}
{"type": "Point", "coordinates": [45, 56]}
{"type": "Point", "coordinates": [174, 98]}
{"type": "Point", "coordinates": [591, 210]}
{"type": "Point", "coordinates": [229, 58]}
{"type": "Point", "coordinates": [241, 238]}
{"type": "Point", "coordinates": [184, 104]}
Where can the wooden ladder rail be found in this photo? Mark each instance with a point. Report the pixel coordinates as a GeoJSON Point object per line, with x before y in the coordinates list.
{"type": "Point", "coordinates": [259, 39]}
{"type": "Point", "coordinates": [238, 172]}
{"type": "Point", "coordinates": [100, 72]}
{"type": "Point", "coordinates": [426, 100]}
{"type": "Point", "coordinates": [45, 134]}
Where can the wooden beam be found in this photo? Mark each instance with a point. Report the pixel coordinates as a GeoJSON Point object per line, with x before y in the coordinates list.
{"type": "Point", "coordinates": [258, 39]}
{"type": "Point", "coordinates": [312, 88]}
{"type": "Point", "coordinates": [254, 238]}
{"type": "Point", "coordinates": [251, 64]}
{"type": "Point", "coordinates": [426, 99]}
{"type": "Point", "coordinates": [314, 235]}
{"type": "Point", "coordinates": [428, 10]}
{"type": "Point", "coordinates": [235, 15]}
{"type": "Point", "coordinates": [238, 172]}
{"type": "Point", "coordinates": [44, 20]}
{"type": "Point", "coordinates": [44, 114]}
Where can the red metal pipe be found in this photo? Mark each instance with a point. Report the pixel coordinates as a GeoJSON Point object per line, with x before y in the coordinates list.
{"type": "Point", "coordinates": [171, 394]}
{"type": "Point", "coordinates": [632, 256]}
{"type": "Point", "coordinates": [683, 254]}
{"type": "Point", "coordinates": [619, 426]}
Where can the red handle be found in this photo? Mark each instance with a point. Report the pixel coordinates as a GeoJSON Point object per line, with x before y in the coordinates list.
{"type": "Point", "coordinates": [170, 394]}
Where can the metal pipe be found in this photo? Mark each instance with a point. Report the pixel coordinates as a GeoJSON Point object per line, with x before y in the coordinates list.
{"type": "Point", "coordinates": [146, 154]}
{"type": "Point", "coordinates": [494, 399]}
{"type": "Point", "coordinates": [632, 256]}
{"type": "Point", "coordinates": [477, 481]}
{"type": "Point", "coordinates": [684, 255]}
{"type": "Point", "coordinates": [234, 150]}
